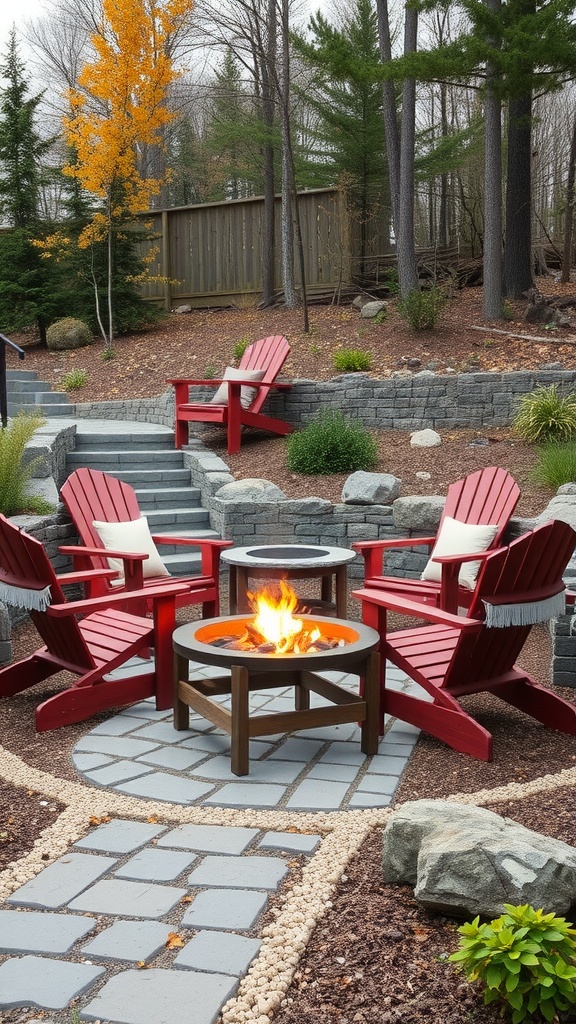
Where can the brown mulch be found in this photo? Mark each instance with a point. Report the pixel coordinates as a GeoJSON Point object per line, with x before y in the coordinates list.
{"type": "Point", "coordinates": [376, 957]}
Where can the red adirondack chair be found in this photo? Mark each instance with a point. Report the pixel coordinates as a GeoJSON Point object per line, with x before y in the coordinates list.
{"type": "Point", "coordinates": [486, 497]}
{"type": "Point", "coordinates": [240, 401]}
{"type": "Point", "coordinates": [90, 647]}
{"type": "Point", "coordinates": [90, 495]}
{"type": "Point", "coordinates": [455, 655]}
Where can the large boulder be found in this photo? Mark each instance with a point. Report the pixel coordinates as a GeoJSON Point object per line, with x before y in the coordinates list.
{"type": "Point", "coordinates": [467, 860]}
{"type": "Point", "coordinates": [427, 438]}
{"type": "Point", "coordinates": [251, 489]}
{"type": "Point", "coordinates": [418, 512]}
{"type": "Point", "coordinates": [363, 488]}
{"type": "Point", "coordinates": [68, 333]}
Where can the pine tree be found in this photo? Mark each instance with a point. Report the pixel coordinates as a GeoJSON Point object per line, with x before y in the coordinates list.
{"type": "Point", "coordinates": [27, 286]}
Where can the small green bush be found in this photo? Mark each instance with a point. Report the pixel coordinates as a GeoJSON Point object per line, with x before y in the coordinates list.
{"type": "Point", "coordinates": [546, 415]}
{"type": "Point", "coordinates": [68, 334]}
{"type": "Point", "coordinates": [15, 471]}
{"type": "Point", "coordinates": [331, 444]}
{"type": "Point", "coordinates": [525, 959]}
{"type": "Point", "coordinates": [421, 309]}
{"type": "Point", "coordinates": [240, 348]}
{"type": "Point", "coordinates": [351, 360]}
{"type": "Point", "coordinates": [109, 353]}
{"type": "Point", "coordinates": [556, 464]}
{"type": "Point", "coordinates": [74, 379]}
{"type": "Point", "coordinates": [390, 279]}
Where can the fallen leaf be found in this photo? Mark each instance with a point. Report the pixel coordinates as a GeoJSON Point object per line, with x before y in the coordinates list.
{"type": "Point", "coordinates": [142, 965]}
{"type": "Point", "coordinates": [95, 820]}
{"type": "Point", "coordinates": [174, 940]}
{"type": "Point", "coordinates": [186, 899]}
{"type": "Point", "coordinates": [152, 820]}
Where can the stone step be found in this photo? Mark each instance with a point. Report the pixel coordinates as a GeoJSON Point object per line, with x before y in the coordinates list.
{"type": "Point", "coordinates": [48, 409]}
{"type": "Point", "coordinates": [17, 387]}
{"type": "Point", "coordinates": [142, 478]}
{"type": "Point", "coordinates": [13, 375]}
{"type": "Point", "coordinates": [38, 398]}
{"type": "Point", "coordinates": [168, 497]}
{"type": "Point", "coordinates": [183, 554]}
{"type": "Point", "coordinates": [189, 564]}
{"type": "Point", "coordinates": [107, 460]}
{"type": "Point", "coordinates": [170, 520]}
{"type": "Point", "coordinates": [152, 442]}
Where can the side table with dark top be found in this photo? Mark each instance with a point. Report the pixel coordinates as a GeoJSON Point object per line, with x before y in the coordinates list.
{"type": "Point", "coordinates": [290, 562]}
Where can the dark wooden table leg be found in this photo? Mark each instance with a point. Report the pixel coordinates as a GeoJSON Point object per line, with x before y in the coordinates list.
{"type": "Point", "coordinates": [181, 710]}
{"type": "Point", "coordinates": [371, 687]}
{"type": "Point", "coordinates": [232, 590]}
{"type": "Point", "coordinates": [342, 592]}
{"type": "Point", "coordinates": [239, 736]}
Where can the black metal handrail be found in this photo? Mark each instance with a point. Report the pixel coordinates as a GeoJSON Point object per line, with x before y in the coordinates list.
{"type": "Point", "coordinates": [3, 386]}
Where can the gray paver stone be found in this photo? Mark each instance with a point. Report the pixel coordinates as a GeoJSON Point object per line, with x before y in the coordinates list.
{"type": "Point", "coordinates": [370, 800]}
{"type": "Point", "coordinates": [43, 982]}
{"type": "Point", "coordinates": [128, 899]}
{"type": "Point", "coordinates": [119, 725]}
{"type": "Point", "coordinates": [219, 951]}
{"type": "Point", "coordinates": [40, 933]}
{"type": "Point", "coordinates": [239, 872]}
{"type": "Point", "coordinates": [334, 772]}
{"type": "Point", "coordinates": [209, 838]}
{"type": "Point", "coordinates": [316, 794]}
{"type": "Point", "coordinates": [297, 749]}
{"type": "Point", "coordinates": [386, 764]}
{"type": "Point", "coordinates": [156, 865]}
{"type": "Point", "coordinates": [177, 758]}
{"type": "Point", "coordinates": [120, 836]}
{"type": "Point", "coordinates": [236, 909]}
{"type": "Point", "coordinates": [161, 786]}
{"type": "Point", "coordinates": [283, 772]}
{"type": "Point", "coordinates": [118, 746]}
{"type": "Point", "coordinates": [129, 940]}
{"type": "Point", "coordinates": [62, 881]}
{"type": "Point", "coordinates": [292, 842]}
{"type": "Point", "coordinates": [160, 996]}
{"type": "Point", "coordinates": [120, 771]}
{"type": "Point", "coordinates": [379, 784]}
{"type": "Point", "coordinates": [247, 794]}
{"type": "Point", "coordinates": [164, 732]}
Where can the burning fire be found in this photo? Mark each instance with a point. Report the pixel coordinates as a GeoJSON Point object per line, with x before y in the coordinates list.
{"type": "Point", "coordinates": [275, 623]}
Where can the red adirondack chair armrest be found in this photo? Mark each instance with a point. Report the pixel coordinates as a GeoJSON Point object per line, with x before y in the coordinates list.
{"type": "Point", "coordinates": [133, 572]}
{"type": "Point", "coordinates": [405, 606]}
{"type": "Point", "coordinates": [84, 576]}
{"type": "Point", "coordinates": [93, 604]}
{"type": "Point", "coordinates": [209, 550]}
{"type": "Point", "coordinates": [372, 551]}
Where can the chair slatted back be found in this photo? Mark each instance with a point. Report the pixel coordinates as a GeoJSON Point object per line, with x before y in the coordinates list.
{"type": "Point", "coordinates": [268, 354]}
{"type": "Point", "coordinates": [92, 495]}
{"type": "Point", "coordinates": [25, 565]}
{"type": "Point", "coordinates": [488, 496]}
{"type": "Point", "coordinates": [528, 570]}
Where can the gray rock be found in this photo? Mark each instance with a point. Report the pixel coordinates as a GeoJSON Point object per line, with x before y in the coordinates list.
{"type": "Point", "coordinates": [251, 489]}
{"type": "Point", "coordinates": [468, 860]}
{"type": "Point", "coordinates": [360, 300]}
{"type": "Point", "coordinates": [425, 438]}
{"type": "Point", "coordinates": [371, 309]}
{"type": "Point", "coordinates": [567, 489]}
{"type": "Point", "coordinates": [561, 506]}
{"type": "Point", "coordinates": [418, 512]}
{"type": "Point", "coordinates": [371, 488]}
{"type": "Point", "coordinates": [183, 309]}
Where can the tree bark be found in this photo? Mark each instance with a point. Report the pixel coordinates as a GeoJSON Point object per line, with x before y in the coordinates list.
{"type": "Point", "coordinates": [518, 236]}
{"type": "Point", "coordinates": [407, 270]}
{"type": "Point", "coordinates": [569, 219]}
{"type": "Point", "coordinates": [492, 293]}
{"type": "Point", "coordinates": [269, 214]}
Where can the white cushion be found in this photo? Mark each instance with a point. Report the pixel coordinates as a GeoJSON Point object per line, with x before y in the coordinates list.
{"type": "Point", "coordinates": [247, 395]}
{"type": "Point", "coordinates": [133, 536]}
{"type": "Point", "coordinates": [456, 538]}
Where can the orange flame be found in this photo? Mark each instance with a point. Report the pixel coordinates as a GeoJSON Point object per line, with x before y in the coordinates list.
{"type": "Point", "coordinates": [273, 607]}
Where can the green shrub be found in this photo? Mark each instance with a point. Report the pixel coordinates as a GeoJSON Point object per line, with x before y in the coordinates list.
{"type": "Point", "coordinates": [390, 279]}
{"type": "Point", "coordinates": [556, 464]}
{"type": "Point", "coordinates": [109, 353]}
{"type": "Point", "coordinates": [74, 379]}
{"type": "Point", "coordinates": [421, 309]}
{"type": "Point", "coordinates": [331, 444]}
{"type": "Point", "coordinates": [546, 415]}
{"type": "Point", "coordinates": [210, 372]}
{"type": "Point", "coordinates": [352, 360]}
{"type": "Point", "coordinates": [68, 333]}
{"type": "Point", "coordinates": [240, 348]}
{"type": "Point", "coordinates": [15, 471]}
{"type": "Point", "coordinates": [525, 959]}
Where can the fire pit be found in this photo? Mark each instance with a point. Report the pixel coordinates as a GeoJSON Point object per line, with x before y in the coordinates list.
{"type": "Point", "coordinates": [256, 662]}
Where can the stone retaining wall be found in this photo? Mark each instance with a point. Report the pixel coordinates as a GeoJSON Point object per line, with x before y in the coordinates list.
{"type": "Point", "coordinates": [403, 402]}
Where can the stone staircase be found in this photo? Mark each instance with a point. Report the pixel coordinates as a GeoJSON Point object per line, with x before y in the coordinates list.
{"type": "Point", "coordinates": [144, 456]}
{"type": "Point", "coordinates": [26, 393]}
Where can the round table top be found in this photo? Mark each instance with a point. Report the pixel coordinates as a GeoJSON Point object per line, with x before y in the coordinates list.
{"type": "Point", "coordinates": [287, 556]}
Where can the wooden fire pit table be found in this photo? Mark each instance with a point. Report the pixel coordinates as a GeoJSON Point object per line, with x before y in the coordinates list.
{"type": "Point", "coordinates": [289, 562]}
{"type": "Point", "coordinates": [252, 670]}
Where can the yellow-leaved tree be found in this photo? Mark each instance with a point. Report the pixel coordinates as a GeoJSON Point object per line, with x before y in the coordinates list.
{"type": "Point", "coordinates": [119, 109]}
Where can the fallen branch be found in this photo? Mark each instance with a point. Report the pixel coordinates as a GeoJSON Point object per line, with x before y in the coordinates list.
{"type": "Point", "coordinates": [547, 340]}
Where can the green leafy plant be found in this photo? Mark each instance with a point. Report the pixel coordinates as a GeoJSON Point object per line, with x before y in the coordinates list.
{"type": "Point", "coordinates": [507, 311]}
{"type": "Point", "coordinates": [74, 379]}
{"type": "Point", "coordinates": [351, 360]}
{"type": "Point", "coordinates": [240, 348]}
{"type": "Point", "coordinates": [391, 281]}
{"type": "Point", "coordinates": [16, 471]}
{"type": "Point", "coordinates": [380, 317]}
{"type": "Point", "coordinates": [331, 444]}
{"type": "Point", "coordinates": [556, 464]}
{"type": "Point", "coordinates": [421, 309]}
{"type": "Point", "coordinates": [546, 415]}
{"type": "Point", "coordinates": [525, 959]}
{"type": "Point", "coordinates": [210, 372]}
{"type": "Point", "coordinates": [108, 353]}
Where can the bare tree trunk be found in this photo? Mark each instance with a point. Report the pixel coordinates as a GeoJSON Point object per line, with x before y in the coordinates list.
{"type": "Point", "coordinates": [569, 219]}
{"type": "Point", "coordinates": [290, 294]}
{"type": "Point", "coordinates": [518, 237]}
{"type": "Point", "coordinates": [492, 293]}
{"type": "Point", "coordinates": [269, 216]}
{"type": "Point", "coordinates": [389, 112]}
{"type": "Point", "coordinates": [407, 271]}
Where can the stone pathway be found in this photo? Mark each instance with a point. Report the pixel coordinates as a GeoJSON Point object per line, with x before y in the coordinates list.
{"type": "Point", "coordinates": [138, 921]}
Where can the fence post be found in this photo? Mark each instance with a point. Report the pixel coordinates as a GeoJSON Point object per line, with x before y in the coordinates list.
{"type": "Point", "coordinates": [166, 260]}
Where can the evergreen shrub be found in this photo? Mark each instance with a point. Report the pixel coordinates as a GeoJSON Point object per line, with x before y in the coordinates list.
{"type": "Point", "coordinates": [331, 444]}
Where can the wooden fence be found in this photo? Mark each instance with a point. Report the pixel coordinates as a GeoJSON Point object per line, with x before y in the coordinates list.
{"type": "Point", "coordinates": [211, 254]}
